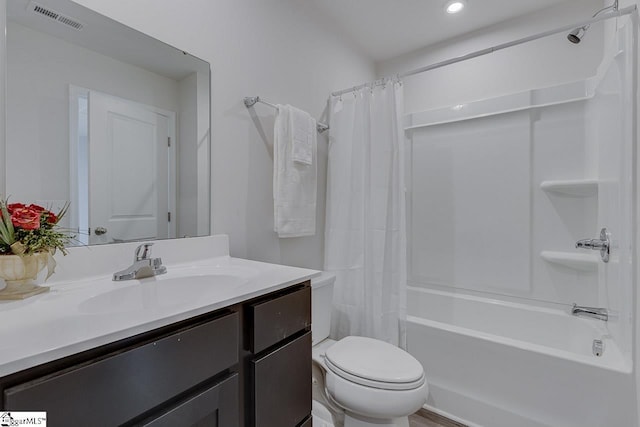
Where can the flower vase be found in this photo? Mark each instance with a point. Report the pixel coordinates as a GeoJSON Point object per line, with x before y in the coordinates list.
{"type": "Point", "coordinates": [20, 272]}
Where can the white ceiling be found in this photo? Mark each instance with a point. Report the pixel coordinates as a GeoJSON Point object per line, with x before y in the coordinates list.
{"type": "Point", "coordinates": [384, 29]}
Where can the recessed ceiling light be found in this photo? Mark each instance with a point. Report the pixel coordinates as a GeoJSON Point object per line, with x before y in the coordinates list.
{"type": "Point", "coordinates": [454, 6]}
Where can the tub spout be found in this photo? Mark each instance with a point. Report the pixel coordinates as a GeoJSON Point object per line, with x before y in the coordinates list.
{"type": "Point", "coordinates": [594, 312]}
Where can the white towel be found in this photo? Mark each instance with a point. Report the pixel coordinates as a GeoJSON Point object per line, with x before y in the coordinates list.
{"type": "Point", "coordinates": [294, 177]}
{"type": "Point", "coordinates": [303, 132]}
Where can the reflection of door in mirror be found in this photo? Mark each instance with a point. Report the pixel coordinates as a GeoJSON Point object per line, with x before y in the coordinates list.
{"type": "Point", "coordinates": [45, 58]}
{"type": "Point", "coordinates": [122, 160]}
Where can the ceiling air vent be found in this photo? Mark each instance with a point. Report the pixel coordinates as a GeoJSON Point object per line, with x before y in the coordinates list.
{"type": "Point", "coordinates": [56, 16]}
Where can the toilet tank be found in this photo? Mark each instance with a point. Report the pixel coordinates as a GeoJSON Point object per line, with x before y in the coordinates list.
{"type": "Point", "coordinates": [321, 302]}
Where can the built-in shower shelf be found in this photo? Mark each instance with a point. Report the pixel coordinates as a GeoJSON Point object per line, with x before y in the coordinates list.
{"type": "Point", "coordinates": [577, 261]}
{"type": "Point", "coordinates": [575, 187]}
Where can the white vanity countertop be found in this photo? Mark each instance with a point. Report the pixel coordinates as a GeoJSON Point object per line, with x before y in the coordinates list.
{"type": "Point", "coordinates": [77, 315]}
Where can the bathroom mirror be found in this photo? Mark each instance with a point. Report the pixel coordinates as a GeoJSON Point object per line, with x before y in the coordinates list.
{"type": "Point", "coordinates": [109, 119]}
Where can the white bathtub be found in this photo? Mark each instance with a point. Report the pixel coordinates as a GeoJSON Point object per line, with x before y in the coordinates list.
{"type": "Point", "coordinates": [499, 364]}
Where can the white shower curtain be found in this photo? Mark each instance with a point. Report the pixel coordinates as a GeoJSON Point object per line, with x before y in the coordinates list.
{"type": "Point", "coordinates": [365, 231]}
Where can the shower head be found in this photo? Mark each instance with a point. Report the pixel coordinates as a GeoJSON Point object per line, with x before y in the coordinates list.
{"type": "Point", "coordinates": [576, 35]}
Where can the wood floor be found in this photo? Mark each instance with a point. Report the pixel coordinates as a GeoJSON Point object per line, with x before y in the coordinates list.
{"type": "Point", "coordinates": [424, 418]}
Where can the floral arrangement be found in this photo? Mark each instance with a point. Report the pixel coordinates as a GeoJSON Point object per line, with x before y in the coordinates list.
{"type": "Point", "coordinates": [29, 229]}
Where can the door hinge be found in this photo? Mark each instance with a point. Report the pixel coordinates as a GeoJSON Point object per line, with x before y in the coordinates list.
{"type": "Point", "coordinates": [168, 141]}
{"type": "Point", "coordinates": [169, 216]}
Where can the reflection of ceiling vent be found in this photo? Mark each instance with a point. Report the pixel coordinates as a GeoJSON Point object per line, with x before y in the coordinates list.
{"type": "Point", "coordinates": [52, 14]}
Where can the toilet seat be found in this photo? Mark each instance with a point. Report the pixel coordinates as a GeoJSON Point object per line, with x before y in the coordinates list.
{"type": "Point", "coordinates": [373, 363]}
{"type": "Point", "coordinates": [373, 403]}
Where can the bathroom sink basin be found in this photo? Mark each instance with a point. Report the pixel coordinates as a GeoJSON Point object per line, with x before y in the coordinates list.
{"type": "Point", "coordinates": [162, 292]}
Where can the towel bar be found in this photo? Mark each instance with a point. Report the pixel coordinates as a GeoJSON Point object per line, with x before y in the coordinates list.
{"type": "Point", "coordinates": [250, 101]}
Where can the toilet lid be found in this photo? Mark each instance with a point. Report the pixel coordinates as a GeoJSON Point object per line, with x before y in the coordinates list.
{"type": "Point", "coordinates": [374, 363]}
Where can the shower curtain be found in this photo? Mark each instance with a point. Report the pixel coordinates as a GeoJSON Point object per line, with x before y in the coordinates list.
{"type": "Point", "coordinates": [365, 230]}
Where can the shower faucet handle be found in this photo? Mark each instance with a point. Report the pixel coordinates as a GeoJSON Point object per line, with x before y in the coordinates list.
{"type": "Point", "coordinates": [595, 244]}
{"type": "Point", "coordinates": [603, 244]}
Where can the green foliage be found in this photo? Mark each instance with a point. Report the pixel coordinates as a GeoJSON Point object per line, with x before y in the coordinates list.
{"type": "Point", "coordinates": [48, 236]}
{"type": "Point", "coordinates": [7, 232]}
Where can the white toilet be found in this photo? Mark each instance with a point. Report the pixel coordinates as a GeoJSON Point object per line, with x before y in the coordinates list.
{"type": "Point", "coordinates": [360, 381]}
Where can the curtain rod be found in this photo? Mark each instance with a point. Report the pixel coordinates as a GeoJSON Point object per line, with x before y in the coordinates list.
{"type": "Point", "coordinates": [482, 52]}
{"type": "Point", "coordinates": [250, 101]}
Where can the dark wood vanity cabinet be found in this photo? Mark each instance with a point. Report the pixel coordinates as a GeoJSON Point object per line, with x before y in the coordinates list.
{"type": "Point", "coordinates": [246, 365]}
{"type": "Point", "coordinates": [153, 379]}
{"type": "Point", "coordinates": [214, 406]}
{"type": "Point", "coordinates": [278, 362]}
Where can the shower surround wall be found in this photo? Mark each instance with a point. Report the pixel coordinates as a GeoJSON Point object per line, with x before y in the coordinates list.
{"type": "Point", "coordinates": [506, 196]}
{"type": "Point", "coordinates": [505, 186]}
{"type": "Point", "coordinates": [476, 191]}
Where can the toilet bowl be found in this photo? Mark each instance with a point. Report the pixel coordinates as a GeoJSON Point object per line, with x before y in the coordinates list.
{"type": "Point", "coordinates": [362, 381]}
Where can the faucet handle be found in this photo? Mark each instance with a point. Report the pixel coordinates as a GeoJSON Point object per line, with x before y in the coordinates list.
{"type": "Point", "coordinates": [145, 248]}
{"type": "Point", "coordinates": [603, 244]}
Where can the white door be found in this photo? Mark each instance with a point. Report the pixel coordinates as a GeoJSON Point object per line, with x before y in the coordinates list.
{"type": "Point", "coordinates": [128, 176]}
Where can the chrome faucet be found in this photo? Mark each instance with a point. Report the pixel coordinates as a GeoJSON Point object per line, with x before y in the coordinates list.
{"type": "Point", "coordinates": [143, 265]}
{"type": "Point", "coordinates": [595, 312]}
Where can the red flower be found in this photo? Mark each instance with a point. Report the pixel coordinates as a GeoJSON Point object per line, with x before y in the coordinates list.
{"type": "Point", "coordinates": [49, 217]}
{"type": "Point", "coordinates": [11, 207]}
{"type": "Point", "coordinates": [25, 218]}
{"type": "Point", "coordinates": [36, 208]}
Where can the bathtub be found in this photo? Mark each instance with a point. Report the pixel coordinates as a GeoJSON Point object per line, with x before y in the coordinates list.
{"type": "Point", "coordinates": [493, 363]}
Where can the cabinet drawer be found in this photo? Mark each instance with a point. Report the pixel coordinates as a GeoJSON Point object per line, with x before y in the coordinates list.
{"type": "Point", "coordinates": [278, 318]}
{"type": "Point", "coordinates": [118, 387]}
{"type": "Point", "coordinates": [215, 406]}
{"type": "Point", "coordinates": [281, 394]}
